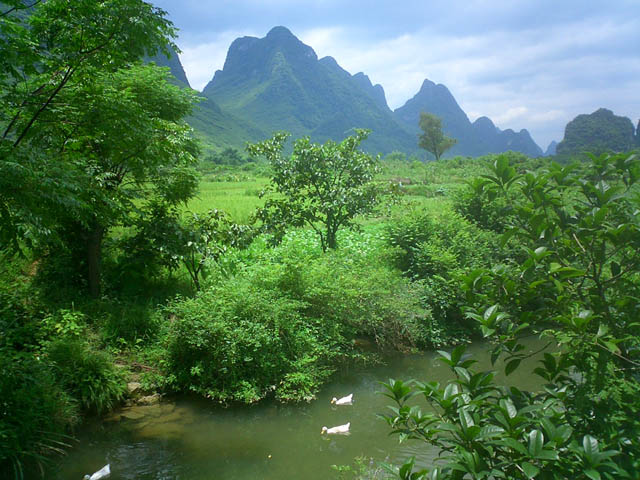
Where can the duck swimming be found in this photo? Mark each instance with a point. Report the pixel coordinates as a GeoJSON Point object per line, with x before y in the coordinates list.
{"type": "Point", "coordinates": [348, 400]}
{"type": "Point", "coordinates": [340, 429]}
{"type": "Point", "coordinates": [104, 472]}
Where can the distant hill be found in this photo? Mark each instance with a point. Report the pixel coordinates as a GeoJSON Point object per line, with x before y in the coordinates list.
{"type": "Point", "coordinates": [279, 83]}
{"type": "Point", "coordinates": [477, 138]}
{"type": "Point", "coordinates": [215, 128]}
{"type": "Point", "coordinates": [551, 149]}
{"type": "Point", "coordinates": [598, 132]}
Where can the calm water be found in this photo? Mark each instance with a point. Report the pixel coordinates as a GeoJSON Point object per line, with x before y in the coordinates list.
{"type": "Point", "coordinates": [194, 440]}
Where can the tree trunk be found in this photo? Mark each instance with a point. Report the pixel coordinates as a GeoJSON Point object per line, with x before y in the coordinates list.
{"type": "Point", "coordinates": [94, 260]}
{"type": "Point", "coordinates": [331, 239]}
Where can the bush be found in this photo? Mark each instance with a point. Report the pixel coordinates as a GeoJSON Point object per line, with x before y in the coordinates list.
{"type": "Point", "coordinates": [239, 342]}
{"type": "Point", "coordinates": [89, 376]}
{"type": "Point", "coordinates": [426, 245]}
{"type": "Point", "coordinates": [287, 317]}
{"type": "Point", "coordinates": [436, 252]}
{"type": "Point", "coordinates": [34, 413]}
{"type": "Point", "coordinates": [479, 204]}
{"type": "Point", "coordinates": [362, 298]}
{"type": "Point", "coordinates": [577, 284]}
{"type": "Point", "coordinates": [130, 323]}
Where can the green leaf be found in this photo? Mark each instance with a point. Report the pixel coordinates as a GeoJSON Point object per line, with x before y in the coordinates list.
{"type": "Point", "coordinates": [490, 312]}
{"type": "Point", "coordinates": [466, 420]}
{"type": "Point", "coordinates": [457, 353]}
{"type": "Point", "coordinates": [509, 407]}
{"type": "Point", "coordinates": [451, 390]}
{"type": "Point", "coordinates": [511, 366]}
{"type": "Point", "coordinates": [530, 470]}
{"type": "Point", "coordinates": [490, 431]}
{"type": "Point", "coordinates": [592, 474]}
{"type": "Point", "coordinates": [536, 442]}
{"type": "Point", "coordinates": [591, 448]}
{"type": "Point", "coordinates": [548, 455]}
{"type": "Point", "coordinates": [515, 445]}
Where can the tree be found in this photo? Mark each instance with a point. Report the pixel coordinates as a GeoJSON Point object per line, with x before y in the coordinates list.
{"type": "Point", "coordinates": [321, 186]}
{"type": "Point", "coordinates": [432, 139]}
{"type": "Point", "coordinates": [47, 48]}
{"type": "Point", "coordinates": [127, 146]}
{"type": "Point", "coordinates": [577, 284]}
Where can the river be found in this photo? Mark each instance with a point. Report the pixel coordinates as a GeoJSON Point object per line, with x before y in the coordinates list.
{"type": "Point", "coordinates": [192, 439]}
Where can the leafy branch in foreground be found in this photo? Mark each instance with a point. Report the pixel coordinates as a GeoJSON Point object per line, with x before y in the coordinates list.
{"type": "Point", "coordinates": [577, 283]}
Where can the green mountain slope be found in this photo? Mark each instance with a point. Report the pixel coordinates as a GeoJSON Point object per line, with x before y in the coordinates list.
{"type": "Point", "coordinates": [214, 127]}
{"type": "Point", "coordinates": [218, 129]}
{"type": "Point", "coordinates": [598, 132]}
{"type": "Point", "coordinates": [278, 83]}
{"type": "Point", "coordinates": [173, 62]}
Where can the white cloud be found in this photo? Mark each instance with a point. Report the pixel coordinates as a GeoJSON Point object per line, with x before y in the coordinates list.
{"type": "Point", "coordinates": [510, 114]}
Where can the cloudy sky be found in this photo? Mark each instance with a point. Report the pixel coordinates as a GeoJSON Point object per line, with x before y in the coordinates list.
{"type": "Point", "coordinates": [525, 64]}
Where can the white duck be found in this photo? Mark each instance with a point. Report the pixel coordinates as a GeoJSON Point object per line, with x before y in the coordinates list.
{"type": "Point", "coordinates": [348, 400]}
{"type": "Point", "coordinates": [104, 472]}
{"type": "Point", "coordinates": [340, 430]}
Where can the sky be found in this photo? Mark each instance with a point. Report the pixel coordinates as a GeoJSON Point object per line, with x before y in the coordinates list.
{"type": "Point", "coordinates": [533, 64]}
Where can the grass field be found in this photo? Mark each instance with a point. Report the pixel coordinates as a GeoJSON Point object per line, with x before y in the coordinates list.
{"type": "Point", "coordinates": [238, 199]}
{"type": "Point", "coordinates": [423, 189]}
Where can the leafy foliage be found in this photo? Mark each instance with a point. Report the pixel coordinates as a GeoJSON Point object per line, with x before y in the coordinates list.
{"type": "Point", "coordinates": [48, 53]}
{"type": "Point", "coordinates": [578, 282]}
{"type": "Point", "coordinates": [320, 186]}
{"type": "Point", "coordinates": [238, 342]}
{"type": "Point", "coordinates": [229, 156]}
{"type": "Point", "coordinates": [436, 252]}
{"type": "Point", "coordinates": [87, 135]}
{"type": "Point", "coordinates": [194, 240]}
{"type": "Point", "coordinates": [128, 146]}
{"type": "Point", "coordinates": [89, 376]}
{"type": "Point", "coordinates": [35, 413]}
{"type": "Point", "coordinates": [282, 319]}
{"type": "Point", "coordinates": [208, 238]}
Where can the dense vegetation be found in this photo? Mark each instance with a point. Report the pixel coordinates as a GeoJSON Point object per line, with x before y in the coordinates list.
{"type": "Point", "coordinates": [575, 282]}
{"type": "Point", "coordinates": [117, 261]}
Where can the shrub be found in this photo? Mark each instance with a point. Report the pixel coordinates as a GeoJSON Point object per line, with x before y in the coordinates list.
{"type": "Point", "coordinates": [287, 317]}
{"type": "Point", "coordinates": [238, 342]}
{"type": "Point", "coordinates": [62, 323]}
{"type": "Point", "coordinates": [364, 299]}
{"type": "Point", "coordinates": [578, 285]}
{"type": "Point", "coordinates": [34, 413]}
{"type": "Point", "coordinates": [130, 322]}
{"type": "Point", "coordinates": [444, 245]}
{"type": "Point", "coordinates": [479, 204]}
{"type": "Point", "coordinates": [436, 252]}
{"type": "Point", "coordinates": [89, 376]}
